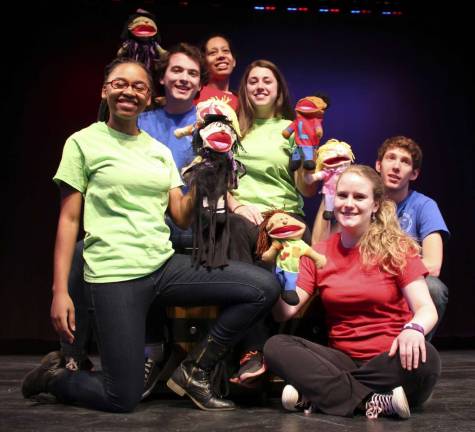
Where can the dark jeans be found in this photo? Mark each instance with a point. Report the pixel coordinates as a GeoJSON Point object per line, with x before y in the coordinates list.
{"type": "Point", "coordinates": [77, 292]}
{"type": "Point", "coordinates": [337, 384]}
{"type": "Point", "coordinates": [440, 296]}
{"type": "Point", "coordinates": [246, 293]}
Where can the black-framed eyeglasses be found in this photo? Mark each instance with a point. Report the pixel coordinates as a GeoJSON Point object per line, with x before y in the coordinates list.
{"type": "Point", "coordinates": [122, 84]}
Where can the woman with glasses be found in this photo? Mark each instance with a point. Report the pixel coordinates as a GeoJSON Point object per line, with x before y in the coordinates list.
{"type": "Point", "coordinates": [128, 181]}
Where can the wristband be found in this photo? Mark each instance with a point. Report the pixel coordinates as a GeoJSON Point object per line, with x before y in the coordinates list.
{"type": "Point", "coordinates": [414, 326]}
{"type": "Point", "coordinates": [235, 208]}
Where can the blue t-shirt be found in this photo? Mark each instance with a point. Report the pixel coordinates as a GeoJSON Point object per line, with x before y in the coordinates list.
{"type": "Point", "coordinates": [420, 216]}
{"type": "Point", "coordinates": [161, 125]}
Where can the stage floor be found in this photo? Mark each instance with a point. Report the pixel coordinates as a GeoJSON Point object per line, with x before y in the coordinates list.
{"type": "Point", "coordinates": [452, 408]}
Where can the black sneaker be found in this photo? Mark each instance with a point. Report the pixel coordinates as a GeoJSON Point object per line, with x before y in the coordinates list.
{"type": "Point", "coordinates": [252, 365]}
{"type": "Point", "coordinates": [394, 403]}
{"type": "Point", "coordinates": [151, 376]}
{"type": "Point", "coordinates": [36, 381]}
{"type": "Point", "coordinates": [293, 401]}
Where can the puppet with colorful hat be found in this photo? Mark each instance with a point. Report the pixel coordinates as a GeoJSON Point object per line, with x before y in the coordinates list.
{"type": "Point", "coordinates": [213, 173]}
{"type": "Point", "coordinates": [307, 129]}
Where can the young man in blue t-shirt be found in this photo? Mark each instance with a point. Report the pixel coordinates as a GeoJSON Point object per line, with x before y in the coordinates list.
{"type": "Point", "coordinates": [399, 163]}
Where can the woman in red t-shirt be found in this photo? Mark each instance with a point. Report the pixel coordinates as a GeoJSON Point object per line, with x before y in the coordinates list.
{"type": "Point", "coordinates": [377, 308]}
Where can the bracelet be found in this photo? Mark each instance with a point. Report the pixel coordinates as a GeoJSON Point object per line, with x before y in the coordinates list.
{"type": "Point", "coordinates": [240, 205]}
{"type": "Point", "coordinates": [414, 326]}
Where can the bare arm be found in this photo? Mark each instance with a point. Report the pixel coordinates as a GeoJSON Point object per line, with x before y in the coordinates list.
{"type": "Point", "coordinates": [250, 212]}
{"type": "Point", "coordinates": [303, 186]}
{"type": "Point", "coordinates": [283, 311]}
{"type": "Point", "coordinates": [321, 227]}
{"type": "Point", "coordinates": [433, 253]}
{"type": "Point", "coordinates": [411, 343]}
{"type": "Point", "coordinates": [62, 307]}
{"type": "Point", "coordinates": [180, 207]}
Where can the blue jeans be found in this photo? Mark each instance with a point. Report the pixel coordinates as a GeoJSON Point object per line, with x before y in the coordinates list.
{"type": "Point", "coordinates": [440, 296]}
{"type": "Point", "coordinates": [245, 292]}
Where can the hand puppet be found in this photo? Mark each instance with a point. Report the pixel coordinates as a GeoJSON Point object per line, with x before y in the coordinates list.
{"type": "Point", "coordinates": [307, 130]}
{"type": "Point", "coordinates": [212, 173]}
{"type": "Point", "coordinates": [333, 158]}
{"type": "Point", "coordinates": [280, 241]}
{"type": "Point", "coordinates": [140, 40]}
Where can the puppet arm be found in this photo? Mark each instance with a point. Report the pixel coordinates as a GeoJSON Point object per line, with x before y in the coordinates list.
{"type": "Point", "coordinates": [271, 254]}
{"type": "Point", "coordinates": [319, 259]}
{"type": "Point", "coordinates": [289, 130]}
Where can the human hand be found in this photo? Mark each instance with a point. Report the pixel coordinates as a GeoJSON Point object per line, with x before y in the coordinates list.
{"type": "Point", "coordinates": [250, 212]}
{"type": "Point", "coordinates": [277, 245]}
{"type": "Point", "coordinates": [63, 316]}
{"type": "Point", "coordinates": [412, 347]}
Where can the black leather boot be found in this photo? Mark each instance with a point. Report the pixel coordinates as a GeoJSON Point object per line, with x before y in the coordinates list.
{"type": "Point", "coordinates": [35, 382]}
{"type": "Point", "coordinates": [192, 377]}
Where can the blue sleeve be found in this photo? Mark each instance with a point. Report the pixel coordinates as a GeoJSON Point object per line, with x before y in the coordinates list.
{"type": "Point", "coordinates": [430, 220]}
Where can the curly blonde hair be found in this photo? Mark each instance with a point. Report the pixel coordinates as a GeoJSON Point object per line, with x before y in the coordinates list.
{"type": "Point", "coordinates": [384, 244]}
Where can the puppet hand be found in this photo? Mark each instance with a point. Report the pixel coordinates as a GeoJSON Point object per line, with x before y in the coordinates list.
{"type": "Point", "coordinates": [320, 260]}
{"type": "Point", "coordinates": [412, 347]}
{"type": "Point", "coordinates": [250, 212]}
{"type": "Point", "coordinates": [286, 133]}
{"type": "Point", "coordinates": [63, 316]}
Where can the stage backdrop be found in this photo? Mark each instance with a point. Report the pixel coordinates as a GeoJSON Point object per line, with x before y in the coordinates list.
{"type": "Point", "coordinates": [385, 77]}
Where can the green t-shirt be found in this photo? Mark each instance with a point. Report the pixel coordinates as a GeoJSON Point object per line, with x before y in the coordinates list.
{"type": "Point", "coordinates": [268, 183]}
{"type": "Point", "coordinates": [125, 181]}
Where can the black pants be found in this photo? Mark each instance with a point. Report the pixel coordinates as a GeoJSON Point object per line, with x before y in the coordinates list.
{"type": "Point", "coordinates": [246, 294]}
{"type": "Point", "coordinates": [336, 384]}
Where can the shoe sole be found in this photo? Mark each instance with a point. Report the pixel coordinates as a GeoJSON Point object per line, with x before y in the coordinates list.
{"type": "Point", "coordinates": [290, 397]}
{"type": "Point", "coordinates": [400, 404]}
{"type": "Point", "coordinates": [248, 375]}
{"type": "Point", "coordinates": [180, 391]}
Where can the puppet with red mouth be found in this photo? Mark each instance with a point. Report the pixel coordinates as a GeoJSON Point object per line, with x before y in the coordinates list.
{"type": "Point", "coordinates": [308, 130]}
{"type": "Point", "coordinates": [280, 241]}
{"type": "Point", "coordinates": [333, 158]}
{"type": "Point", "coordinates": [213, 172]}
{"type": "Point", "coordinates": [140, 40]}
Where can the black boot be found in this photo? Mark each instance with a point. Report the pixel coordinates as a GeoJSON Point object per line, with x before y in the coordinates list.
{"type": "Point", "coordinates": [36, 381]}
{"type": "Point", "coordinates": [193, 377]}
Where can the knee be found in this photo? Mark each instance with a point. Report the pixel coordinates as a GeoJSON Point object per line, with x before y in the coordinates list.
{"type": "Point", "coordinates": [433, 362]}
{"type": "Point", "coordinates": [274, 347]}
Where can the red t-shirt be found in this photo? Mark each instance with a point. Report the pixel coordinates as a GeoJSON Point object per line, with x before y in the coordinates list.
{"type": "Point", "coordinates": [208, 92]}
{"type": "Point", "coordinates": [365, 309]}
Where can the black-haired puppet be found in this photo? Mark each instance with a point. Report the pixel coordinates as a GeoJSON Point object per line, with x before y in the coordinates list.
{"type": "Point", "coordinates": [333, 158]}
{"type": "Point", "coordinates": [213, 105]}
{"type": "Point", "coordinates": [140, 39]}
{"type": "Point", "coordinates": [213, 172]}
{"type": "Point", "coordinates": [280, 241]}
{"type": "Point", "coordinates": [307, 129]}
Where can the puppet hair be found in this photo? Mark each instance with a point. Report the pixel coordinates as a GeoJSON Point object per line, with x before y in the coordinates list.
{"type": "Point", "coordinates": [263, 239]}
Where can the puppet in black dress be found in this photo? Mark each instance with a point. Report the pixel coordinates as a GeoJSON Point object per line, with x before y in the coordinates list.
{"type": "Point", "coordinates": [213, 172]}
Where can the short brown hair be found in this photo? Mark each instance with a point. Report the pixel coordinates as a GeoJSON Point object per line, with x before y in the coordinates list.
{"type": "Point", "coordinates": [190, 51]}
{"type": "Point", "coordinates": [404, 143]}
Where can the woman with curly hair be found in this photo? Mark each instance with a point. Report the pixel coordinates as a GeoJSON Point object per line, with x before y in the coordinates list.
{"type": "Point", "coordinates": [377, 309]}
